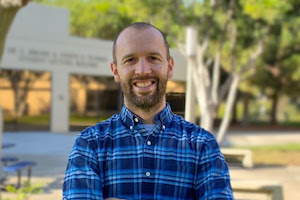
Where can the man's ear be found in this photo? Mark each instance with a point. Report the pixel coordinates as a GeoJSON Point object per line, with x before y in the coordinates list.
{"type": "Point", "coordinates": [114, 70]}
{"type": "Point", "coordinates": [170, 67]}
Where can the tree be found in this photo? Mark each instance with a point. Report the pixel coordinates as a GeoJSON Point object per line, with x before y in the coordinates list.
{"type": "Point", "coordinates": [224, 44]}
{"type": "Point", "coordinates": [278, 71]}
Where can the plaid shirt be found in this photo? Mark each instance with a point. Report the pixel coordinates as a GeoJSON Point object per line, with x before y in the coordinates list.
{"type": "Point", "coordinates": [119, 158]}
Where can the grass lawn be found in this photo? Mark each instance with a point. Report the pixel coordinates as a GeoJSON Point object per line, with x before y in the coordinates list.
{"type": "Point", "coordinates": [286, 154]}
{"type": "Point", "coordinates": [40, 119]}
{"type": "Point", "coordinates": [45, 119]}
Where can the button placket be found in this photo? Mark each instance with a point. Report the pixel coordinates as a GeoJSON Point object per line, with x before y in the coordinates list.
{"type": "Point", "coordinates": [148, 163]}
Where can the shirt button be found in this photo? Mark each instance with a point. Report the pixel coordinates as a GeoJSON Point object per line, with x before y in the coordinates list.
{"type": "Point", "coordinates": [130, 127]}
{"type": "Point", "coordinates": [136, 120]}
{"type": "Point", "coordinates": [163, 127]}
{"type": "Point", "coordinates": [148, 174]}
{"type": "Point", "coordinates": [149, 143]}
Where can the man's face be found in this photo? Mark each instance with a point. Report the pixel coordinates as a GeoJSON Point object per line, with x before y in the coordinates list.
{"type": "Point", "coordinates": [142, 67]}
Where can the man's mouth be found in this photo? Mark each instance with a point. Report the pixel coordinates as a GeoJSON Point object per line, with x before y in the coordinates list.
{"type": "Point", "coordinates": [143, 84]}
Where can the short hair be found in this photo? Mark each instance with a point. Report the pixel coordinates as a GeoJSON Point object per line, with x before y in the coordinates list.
{"type": "Point", "coordinates": [141, 26]}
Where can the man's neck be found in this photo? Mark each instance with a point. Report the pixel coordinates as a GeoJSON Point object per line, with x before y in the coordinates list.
{"type": "Point", "coordinates": [147, 115]}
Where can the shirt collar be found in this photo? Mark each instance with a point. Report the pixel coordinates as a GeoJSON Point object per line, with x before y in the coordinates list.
{"type": "Point", "coordinates": [130, 119]}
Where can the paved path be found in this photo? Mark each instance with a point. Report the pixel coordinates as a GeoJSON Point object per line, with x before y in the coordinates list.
{"type": "Point", "coordinates": [51, 150]}
{"type": "Point", "coordinates": [289, 177]}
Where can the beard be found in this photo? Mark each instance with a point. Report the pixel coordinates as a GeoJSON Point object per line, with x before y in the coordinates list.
{"type": "Point", "coordinates": [145, 101]}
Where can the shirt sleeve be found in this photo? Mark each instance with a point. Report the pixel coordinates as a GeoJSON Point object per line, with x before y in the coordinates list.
{"type": "Point", "coordinates": [82, 179]}
{"type": "Point", "coordinates": [212, 178]}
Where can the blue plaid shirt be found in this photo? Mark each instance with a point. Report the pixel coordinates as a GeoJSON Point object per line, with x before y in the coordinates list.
{"type": "Point", "coordinates": [119, 158]}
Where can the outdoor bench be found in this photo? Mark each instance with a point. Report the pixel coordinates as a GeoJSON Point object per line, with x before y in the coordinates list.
{"type": "Point", "coordinates": [18, 167]}
{"type": "Point", "coordinates": [6, 159]}
{"type": "Point", "coordinates": [246, 155]}
{"type": "Point", "coordinates": [272, 189]}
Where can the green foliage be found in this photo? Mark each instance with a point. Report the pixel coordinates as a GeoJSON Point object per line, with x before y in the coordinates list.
{"type": "Point", "coordinates": [26, 191]}
{"type": "Point", "coordinates": [268, 10]}
{"type": "Point", "coordinates": [277, 72]}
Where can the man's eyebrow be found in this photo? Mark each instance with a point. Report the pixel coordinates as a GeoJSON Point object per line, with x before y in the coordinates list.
{"type": "Point", "coordinates": [155, 54]}
{"type": "Point", "coordinates": [130, 55]}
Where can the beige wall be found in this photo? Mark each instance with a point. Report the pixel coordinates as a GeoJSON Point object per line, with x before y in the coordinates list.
{"type": "Point", "coordinates": [6, 101]}
{"type": "Point", "coordinates": [38, 99]}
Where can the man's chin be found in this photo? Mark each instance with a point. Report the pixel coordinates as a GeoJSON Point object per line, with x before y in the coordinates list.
{"type": "Point", "coordinates": [143, 94]}
{"type": "Point", "coordinates": [143, 102]}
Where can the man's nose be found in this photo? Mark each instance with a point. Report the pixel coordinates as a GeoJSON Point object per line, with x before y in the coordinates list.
{"type": "Point", "coordinates": [143, 67]}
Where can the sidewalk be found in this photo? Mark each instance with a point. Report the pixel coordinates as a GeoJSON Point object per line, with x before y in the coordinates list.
{"type": "Point", "coordinates": [51, 150]}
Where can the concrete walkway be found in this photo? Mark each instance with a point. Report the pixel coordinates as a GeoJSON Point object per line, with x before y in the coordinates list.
{"type": "Point", "coordinates": [50, 151]}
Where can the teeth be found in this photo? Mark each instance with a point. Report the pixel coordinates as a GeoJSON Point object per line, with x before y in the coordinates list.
{"type": "Point", "coordinates": [142, 85]}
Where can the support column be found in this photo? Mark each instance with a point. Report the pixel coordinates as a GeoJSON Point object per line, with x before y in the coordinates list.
{"type": "Point", "coordinates": [60, 102]}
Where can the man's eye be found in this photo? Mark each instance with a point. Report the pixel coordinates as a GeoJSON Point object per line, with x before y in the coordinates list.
{"type": "Point", "coordinates": [153, 58]}
{"type": "Point", "coordinates": [129, 60]}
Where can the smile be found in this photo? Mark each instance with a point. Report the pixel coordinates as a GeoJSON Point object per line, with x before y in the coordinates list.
{"type": "Point", "coordinates": [144, 84]}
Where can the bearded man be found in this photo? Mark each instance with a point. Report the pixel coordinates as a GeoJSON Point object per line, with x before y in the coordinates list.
{"type": "Point", "coordinates": [146, 151]}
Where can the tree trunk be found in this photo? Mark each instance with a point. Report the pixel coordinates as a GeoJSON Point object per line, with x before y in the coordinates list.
{"type": "Point", "coordinates": [207, 118]}
{"type": "Point", "coordinates": [1, 130]}
{"type": "Point", "coordinates": [202, 83]}
{"type": "Point", "coordinates": [246, 109]}
{"type": "Point", "coordinates": [273, 120]}
{"type": "Point", "coordinates": [6, 18]}
{"type": "Point", "coordinates": [230, 102]}
{"type": "Point", "coordinates": [234, 112]}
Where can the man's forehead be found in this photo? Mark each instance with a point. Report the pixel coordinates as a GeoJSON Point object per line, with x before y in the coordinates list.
{"type": "Point", "coordinates": [132, 32]}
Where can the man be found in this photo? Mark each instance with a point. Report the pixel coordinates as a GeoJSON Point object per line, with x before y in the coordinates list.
{"type": "Point", "coordinates": [145, 152]}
